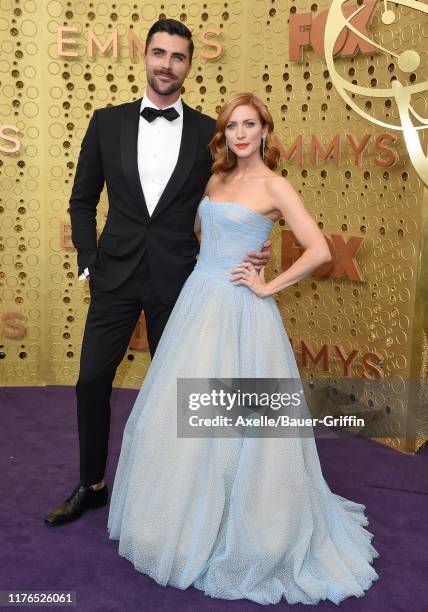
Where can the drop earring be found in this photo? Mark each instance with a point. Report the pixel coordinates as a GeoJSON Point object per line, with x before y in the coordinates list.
{"type": "Point", "coordinates": [263, 147]}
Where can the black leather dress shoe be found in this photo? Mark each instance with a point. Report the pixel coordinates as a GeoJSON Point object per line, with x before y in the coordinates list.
{"type": "Point", "coordinates": [80, 500]}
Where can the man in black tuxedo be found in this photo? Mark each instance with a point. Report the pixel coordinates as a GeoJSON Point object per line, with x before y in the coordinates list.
{"type": "Point", "coordinates": [153, 156]}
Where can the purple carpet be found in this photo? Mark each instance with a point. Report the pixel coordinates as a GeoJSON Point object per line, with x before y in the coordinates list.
{"type": "Point", "coordinates": [40, 468]}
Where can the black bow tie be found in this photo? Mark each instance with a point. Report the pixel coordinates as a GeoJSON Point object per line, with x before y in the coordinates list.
{"type": "Point", "coordinates": [150, 113]}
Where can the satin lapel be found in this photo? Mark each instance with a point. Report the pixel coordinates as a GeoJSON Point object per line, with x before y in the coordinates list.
{"type": "Point", "coordinates": [128, 152]}
{"type": "Point", "coordinates": [186, 156]}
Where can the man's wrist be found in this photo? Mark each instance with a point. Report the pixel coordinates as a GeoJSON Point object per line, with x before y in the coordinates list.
{"type": "Point", "coordinates": [85, 274]}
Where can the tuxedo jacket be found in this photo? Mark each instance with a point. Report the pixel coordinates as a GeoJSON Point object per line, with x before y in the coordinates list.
{"type": "Point", "coordinates": [109, 155]}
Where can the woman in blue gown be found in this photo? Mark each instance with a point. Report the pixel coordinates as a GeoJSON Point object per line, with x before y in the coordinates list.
{"type": "Point", "coordinates": [237, 517]}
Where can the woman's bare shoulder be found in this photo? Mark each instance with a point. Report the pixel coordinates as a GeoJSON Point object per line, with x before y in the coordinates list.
{"type": "Point", "coordinates": [278, 185]}
{"type": "Point", "coordinates": [283, 194]}
{"type": "Point", "coordinates": [214, 182]}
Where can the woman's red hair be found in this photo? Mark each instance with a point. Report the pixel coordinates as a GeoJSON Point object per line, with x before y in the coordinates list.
{"type": "Point", "coordinates": [223, 164]}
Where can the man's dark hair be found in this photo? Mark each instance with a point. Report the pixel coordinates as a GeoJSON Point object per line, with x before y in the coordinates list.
{"type": "Point", "coordinates": [171, 26]}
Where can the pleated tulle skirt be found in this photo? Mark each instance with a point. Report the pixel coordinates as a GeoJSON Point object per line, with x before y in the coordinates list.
{"type": "Point", "coordinates": [238, 518]}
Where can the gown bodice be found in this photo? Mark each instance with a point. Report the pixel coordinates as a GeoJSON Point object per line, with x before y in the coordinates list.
{"type": "Point", "coordinates": [236, 516]}
{"type": "Point", "coordinates": [229, 231]}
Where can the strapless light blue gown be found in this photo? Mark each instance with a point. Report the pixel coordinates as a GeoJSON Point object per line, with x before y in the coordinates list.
{"type": "Point", "coordinates": [238, 518]}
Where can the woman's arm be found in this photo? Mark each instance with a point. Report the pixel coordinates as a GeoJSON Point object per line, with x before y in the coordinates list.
{"type": "Point", "coordinates": [316, 250]}
{"type": "Point", "coordinates": [210, 185]}
{"type": "Point", "coordinates": [197, 226]}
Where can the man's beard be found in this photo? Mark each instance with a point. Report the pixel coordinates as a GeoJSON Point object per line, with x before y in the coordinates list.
{"type": "Point", "coordinates": [174, 86]}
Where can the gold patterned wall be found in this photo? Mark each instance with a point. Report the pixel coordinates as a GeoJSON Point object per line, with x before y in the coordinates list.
{"type": "Point", "coordinates": [50, 98]}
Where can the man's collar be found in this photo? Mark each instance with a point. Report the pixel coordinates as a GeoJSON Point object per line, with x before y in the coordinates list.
{"type": "Point", "coordinates": [178, 105]}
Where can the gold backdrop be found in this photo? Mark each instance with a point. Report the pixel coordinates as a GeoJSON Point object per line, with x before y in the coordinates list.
{"type": "Point", "coordinates": [50, 98]}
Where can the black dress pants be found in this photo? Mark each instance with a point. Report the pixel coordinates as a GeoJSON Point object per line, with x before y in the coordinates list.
{"type": "Point", "coordinates": [112, 317]}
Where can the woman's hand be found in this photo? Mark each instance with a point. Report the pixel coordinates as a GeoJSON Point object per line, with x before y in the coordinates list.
{"type": "Point", "coordinates": [246, 274]}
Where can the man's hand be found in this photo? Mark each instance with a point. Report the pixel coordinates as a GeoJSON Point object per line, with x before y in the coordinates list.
{"type": "Point", "coordinates": [260, 258]}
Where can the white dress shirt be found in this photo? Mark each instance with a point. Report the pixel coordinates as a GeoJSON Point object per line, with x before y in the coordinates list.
{"type": "Point", "coordinates": [158, 146]}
